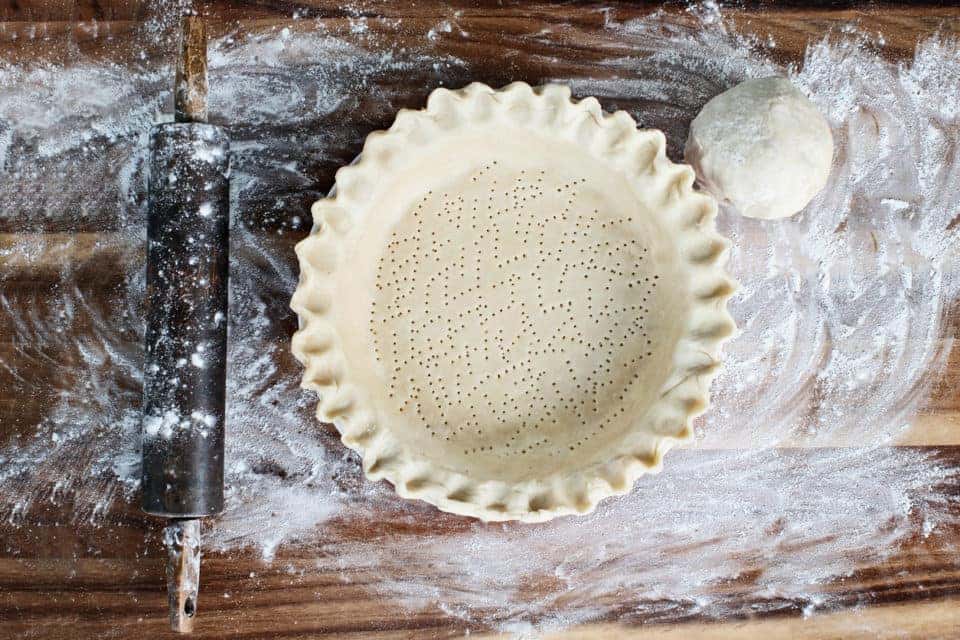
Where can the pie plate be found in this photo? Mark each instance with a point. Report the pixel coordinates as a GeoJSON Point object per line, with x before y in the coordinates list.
{"type": "Point", "coordinates": [512, 304]}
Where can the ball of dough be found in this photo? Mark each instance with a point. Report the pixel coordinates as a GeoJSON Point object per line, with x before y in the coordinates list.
{"type": "Point", "coordinates": [763, 147]}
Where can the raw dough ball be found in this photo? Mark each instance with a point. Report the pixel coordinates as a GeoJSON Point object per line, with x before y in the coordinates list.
{"type": "Point", "coordinates": [761, 146]}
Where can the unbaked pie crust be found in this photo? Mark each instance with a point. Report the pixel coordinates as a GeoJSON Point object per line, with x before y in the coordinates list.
{"type": "Point", "coordinates": [512, 303]}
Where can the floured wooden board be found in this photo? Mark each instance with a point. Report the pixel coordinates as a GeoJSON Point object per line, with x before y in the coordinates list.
{"type": "Point", "coordinates": [818, 499]}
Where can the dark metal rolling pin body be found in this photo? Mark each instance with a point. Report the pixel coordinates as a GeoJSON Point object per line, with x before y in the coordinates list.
{"type": "Point", "coordinates": [186, 339]}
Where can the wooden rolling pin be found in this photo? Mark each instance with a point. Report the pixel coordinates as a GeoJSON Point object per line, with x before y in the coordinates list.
{"type": "Point", "coordinates": [188, 225]}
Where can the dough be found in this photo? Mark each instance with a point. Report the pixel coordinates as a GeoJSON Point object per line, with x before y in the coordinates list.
{"type": "Point", "coordinates": [513, 303]}
{"type": "Point", "coordinates": [761, 146]}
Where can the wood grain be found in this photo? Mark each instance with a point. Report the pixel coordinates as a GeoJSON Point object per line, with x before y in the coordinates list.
{"type": "Point", "coordinates": [57, 582]}
{"type": "Point", "coordinates": [915, 620]}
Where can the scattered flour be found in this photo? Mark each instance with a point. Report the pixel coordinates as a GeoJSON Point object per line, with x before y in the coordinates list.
{"type": "Point", "coordinates": [444, 27]}
{"type": "Point", "coordinates": [840, 310]}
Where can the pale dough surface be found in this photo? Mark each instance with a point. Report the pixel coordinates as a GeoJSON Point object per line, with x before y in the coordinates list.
{"type": "Point", "coordinates": [513, 303]}
{"type": "Point", "coordinates": [763, 147]}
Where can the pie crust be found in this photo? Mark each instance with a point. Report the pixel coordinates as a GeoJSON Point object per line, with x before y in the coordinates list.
{"type": "Point", "coordinates": [512, 303]}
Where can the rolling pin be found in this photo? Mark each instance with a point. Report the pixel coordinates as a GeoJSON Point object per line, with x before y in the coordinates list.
{"type": "Point", "coordinates": [188, 223]}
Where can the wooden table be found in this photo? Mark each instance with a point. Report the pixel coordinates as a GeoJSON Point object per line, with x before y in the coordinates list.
{"type": "Point", "coordinates": [56, 583]}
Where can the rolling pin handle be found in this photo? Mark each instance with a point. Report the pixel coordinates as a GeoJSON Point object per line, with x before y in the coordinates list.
{"type": "Point", "coordinates": [190, 88]}
{"type": "Point", "coordinates": [182, 540]}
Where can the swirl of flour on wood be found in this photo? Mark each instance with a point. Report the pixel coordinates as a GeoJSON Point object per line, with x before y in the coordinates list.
{"type": "Point", "coordinates": [840, 311]}
{"type": "Point", "coordinates": [781, 525]}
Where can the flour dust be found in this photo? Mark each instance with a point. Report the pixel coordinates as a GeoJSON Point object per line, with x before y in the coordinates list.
{"type": "Point", "coordinates": [841, 313]}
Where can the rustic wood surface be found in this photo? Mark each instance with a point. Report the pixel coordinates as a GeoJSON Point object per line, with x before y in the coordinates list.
{"type": "Point", "coordinates": [56, 584]}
